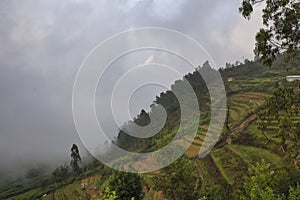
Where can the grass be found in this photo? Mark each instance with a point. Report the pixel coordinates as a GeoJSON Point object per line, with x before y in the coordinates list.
{"type": "Point", "coordinates": [70, 191]}
{"type": "Point", "coordinates": [231, 166]}
{"type": "Point", "coordinates": [211, 174]}
{"type": "Point", "coordinates": [251, 155]}
{"type": "Point", "coordinates": [21, 186]}
{"type": "Point", "coordinates": [27, 195]}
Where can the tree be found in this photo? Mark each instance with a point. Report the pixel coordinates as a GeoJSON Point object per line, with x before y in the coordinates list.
{"type": "Point", "coordinates": [281, 108]}
{"type": "Point", "coordinates": [264, 183]}
{"type": "Point", "coordinates": [179, 180]}
{"type": "Point", "coordinates": [281, 32]}
{"type": "Point", "coordinates": [258, 184]}
{"type": "Point", "coordinates": [284, 129]}
{"type": "Point", "coordinates": [124, 186]}
{"type": "Point", "coordinates": [227, 119]}
{"type": "Point", "coordinates": [75, 159]}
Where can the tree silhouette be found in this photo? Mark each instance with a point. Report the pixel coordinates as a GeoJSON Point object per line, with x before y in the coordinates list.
{"type": "Point", "coordinates": [75, 159]}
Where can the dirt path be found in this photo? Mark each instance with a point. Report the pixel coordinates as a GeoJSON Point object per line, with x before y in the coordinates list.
{"type": "Point", "coordinates": [243, 125]}
{"type": "Point", "coordinates": [238, 129]}
{"type": "Point", "coordinates": [199, 171]}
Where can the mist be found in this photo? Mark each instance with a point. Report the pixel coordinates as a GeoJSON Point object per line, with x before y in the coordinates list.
{"type": "Point", "coordinates": [43, 44]}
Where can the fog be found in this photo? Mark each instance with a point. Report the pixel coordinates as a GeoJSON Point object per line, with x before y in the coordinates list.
{"type": "Point", "coordinates": [43, 43]}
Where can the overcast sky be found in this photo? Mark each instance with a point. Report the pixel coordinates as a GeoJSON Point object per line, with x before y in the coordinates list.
{"type": "Point", "coordinates": [43, 43]}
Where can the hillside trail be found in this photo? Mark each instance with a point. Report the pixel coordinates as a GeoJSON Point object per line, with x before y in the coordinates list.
{"type": "Point", "coordinates": [199, 171]}
{"type": "Point", "coordinates": [242, 126]}
{"type": "Point", "coordinates": [238, 129]}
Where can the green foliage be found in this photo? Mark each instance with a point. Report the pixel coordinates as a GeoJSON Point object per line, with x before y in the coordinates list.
{"type": "Point", "coordinates": [179, 180]}
{"type": "Point", "coordinates": [125, 185]}
{"type": "Point", "coordinates": [23, 186]}
{"type": "Point", "coordinates": [214, 186]}
{"type": "Point", "coordinates": [110, 195]}
{"type": "Point", "coordinates": [281, 32]}
{"type": "Point", "coordinates": [294, 193]}
{"type": "Point", "coordinates": [231, 166]}
{"type": "Point", "coordinates": [218, 191]}
{"type": "Point", "coordinates": [258, 183]}
{"type": "Point", "coordinates": [252, 155]}
{"type": "Point", "coordinates": [280, 109]}
{"type": "Point", "coordinates": [285, 179]}
{"type": "Point", "coordinates": [264, 183]}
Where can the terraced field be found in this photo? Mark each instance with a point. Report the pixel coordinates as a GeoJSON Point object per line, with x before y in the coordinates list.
{"type": "Point", "coordinates": [232, 161]}
{"type": "Point", "coordinates": [252, 155]}
{"type": "Point", "coordinates": [272, 128]}
{"type": "Point", "coordinates": [194, 148]}
{"type": "Point", "coordinates": [70, 191]}
{"type": "Point", "coordinates": [243, 103]}
{"type": "Point", "coordinates": [240, 105]}
{"type": "Point", "coordinates": [231, 166]}
{"type": "Point", "coordinates": [74, 190]}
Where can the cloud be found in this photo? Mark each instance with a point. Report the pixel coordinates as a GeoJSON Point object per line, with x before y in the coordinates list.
{"type": "Point", "coordinates": [43, 44]}
{"type": "Point", "coordinates": [149, 60]}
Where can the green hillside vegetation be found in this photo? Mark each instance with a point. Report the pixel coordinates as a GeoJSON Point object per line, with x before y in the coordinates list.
{"type": "Point", "coordinates": [260, 138]}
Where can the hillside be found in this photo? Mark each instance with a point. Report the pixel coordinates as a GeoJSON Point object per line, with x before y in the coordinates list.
{"type": "Point", "coordinates": [221, 174]}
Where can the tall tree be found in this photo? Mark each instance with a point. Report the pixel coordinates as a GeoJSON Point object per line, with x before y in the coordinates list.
{"type": "Point", "coordinates": [75, 159]}
{"type": "Point", "coordinates": [281, 32]}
